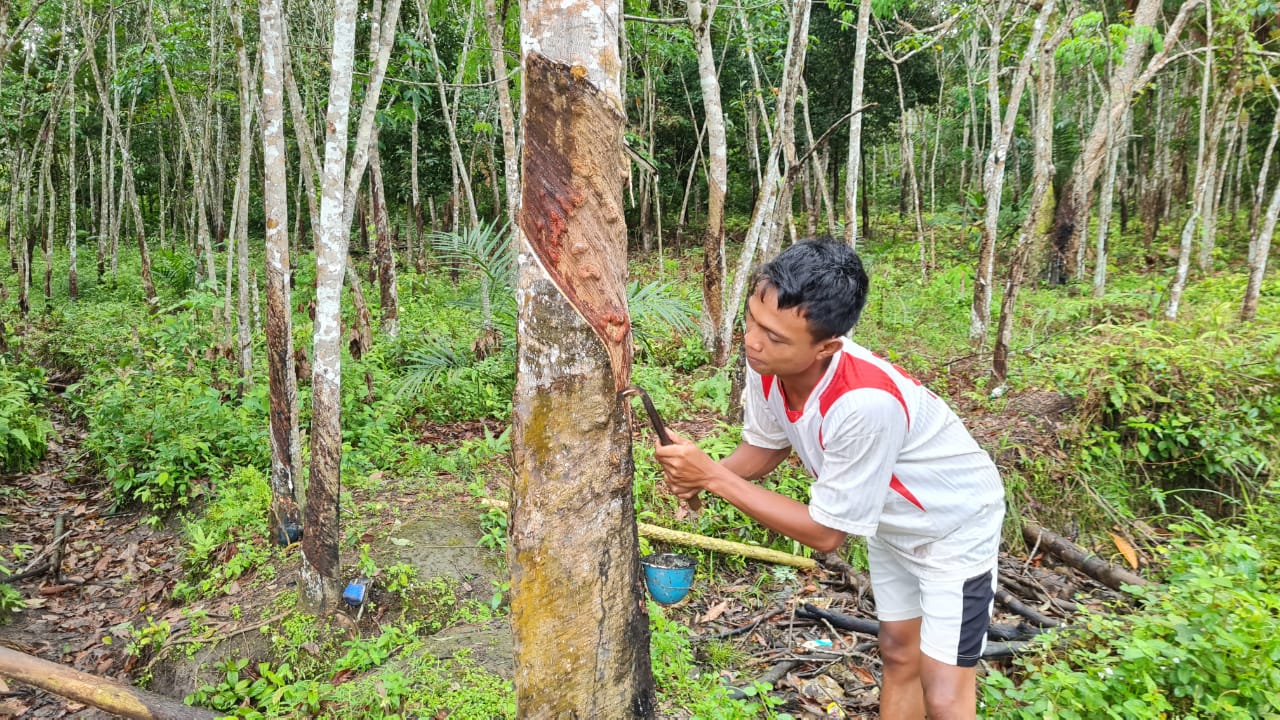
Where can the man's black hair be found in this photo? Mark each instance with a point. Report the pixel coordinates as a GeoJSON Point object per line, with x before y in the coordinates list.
{"type": "Point", "coordinates": [822, 277]}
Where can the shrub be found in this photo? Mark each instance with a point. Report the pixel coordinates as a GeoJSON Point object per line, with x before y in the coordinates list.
{"type": "Point", "coordinates": [24, 426]}
{"type": "Point", "coordinates": [1202, 645]}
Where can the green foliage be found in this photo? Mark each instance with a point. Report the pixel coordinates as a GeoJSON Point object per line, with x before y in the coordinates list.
{"type": "Point", "coordinates": [11, 600]}
{"type": "Point", "coordinates": [158, 433]}
{"type": "Point", "coordinates": [1204, 644]}
{"type": "Point", "coordinates": [24, 426]}
{"type": "Point", "coordinates": [1188, 405]}
{"type": "Point", "coordinates": [237, 514]}
{"type": "Point", "coordinates": [387, 676]}
{"type": "Point", "coordinates": [681, 683]}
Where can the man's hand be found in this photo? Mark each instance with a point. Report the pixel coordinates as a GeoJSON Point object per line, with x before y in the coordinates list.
{"type": "Point", "coordinates": [686, 467]}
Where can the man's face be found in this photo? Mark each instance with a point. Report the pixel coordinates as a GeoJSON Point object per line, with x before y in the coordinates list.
{"type": "Point", "coordinates": [778, 342]}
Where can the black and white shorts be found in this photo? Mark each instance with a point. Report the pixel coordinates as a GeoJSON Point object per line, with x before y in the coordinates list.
{"type": "Point", "coordinates": [954, 614]}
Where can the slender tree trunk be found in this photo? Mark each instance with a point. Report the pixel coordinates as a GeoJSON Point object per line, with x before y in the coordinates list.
{"type": "Point", "coordinates": [282, 393]}
{"type": "Point", "coordinates": [713, 258]}
{"type": "Point", "coordinates": [510, 152]}
{"type": "Point", "coordinates": [1260, 191]}
{"type": "Point", "coordinates": [385, 254]}
{"type": "Point", "coordinates": [1213, 116]}
{"type": "Point", "coordinates": [581, 631]}
{"type": "Point", "coordinates": [1001, 136]}
{"type": "Point", "coordinates": [1105, 196]}
{"type": "Point", "coordinates": [1039, 216]}
{"type": "Point", "coordinates": [73, 179]}
{"type": "Point", "coordinates": [320, 587]}
{"type": "Point", "coordinates": [764, 226]}
{"type": "Point", "coordinates": [450, 122]}
{"type": "Point", "coordinates": [1260, 244]}
{"type": "Point", "coordinates": [240, 218]}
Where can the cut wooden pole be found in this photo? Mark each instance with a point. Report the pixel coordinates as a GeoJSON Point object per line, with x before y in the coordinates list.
{"type": "Point", "coordinates": [110, 695]}
{"type": "Point", "coordinates": [677, 537]}
{"type": "Point", "coordinates": [1077, 557]}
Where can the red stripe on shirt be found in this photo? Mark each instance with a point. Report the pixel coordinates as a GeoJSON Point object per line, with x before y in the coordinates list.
{"type": "Point", "coordinates": [854, 373]}
{"type": "Point", "coordinates": [896, 485]}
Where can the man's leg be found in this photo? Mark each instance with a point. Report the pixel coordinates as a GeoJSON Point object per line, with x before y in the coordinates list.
{"type": "Point", "coordinates": [901, 692]}
{"type": "Point", "coordinates": [950, 692]}
{"type": "Point", "coordinates": [953, 633]}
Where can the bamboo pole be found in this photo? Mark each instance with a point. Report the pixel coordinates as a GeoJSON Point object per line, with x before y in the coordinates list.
{"type": "Point", "coordinates": [678, 537]}
{"type": "Point", "coordinates": [1077, 557]}
{"type": "Point", "coordinates": [110, 695]}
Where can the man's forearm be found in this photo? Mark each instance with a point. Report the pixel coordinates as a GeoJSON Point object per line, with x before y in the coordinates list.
{"type": "Point", "coordinates": [776, 512]}
{"type": "Point", "coordinates": [752, 463]}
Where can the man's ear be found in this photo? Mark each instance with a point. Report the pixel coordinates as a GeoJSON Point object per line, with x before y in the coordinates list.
{"type": "Point", "coordinates": [829, 347]}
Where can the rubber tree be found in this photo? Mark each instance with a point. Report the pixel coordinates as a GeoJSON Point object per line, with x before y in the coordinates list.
{"type": "Point", "coordinates": [713, 261]}
{"type": "Point", "coordinates": [577, 605]}
{"type": "Point", "coordinates": [282, 389]}
{"type": "Point", "coordinates": [319, 589]}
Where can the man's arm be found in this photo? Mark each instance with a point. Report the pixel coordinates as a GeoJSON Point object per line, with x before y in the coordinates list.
{"type": "Point", "coordinates": [750, 462]}
{"type": "Point", "coordinates": [690, 471]}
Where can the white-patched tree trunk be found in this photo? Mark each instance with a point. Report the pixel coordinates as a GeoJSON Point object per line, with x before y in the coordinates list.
{"type": "Point", "coordinates": [1260, 245]}
{"type": "Point", "coordinates": [765, 227]}
{"type": "Point", "coordinates": [319, 589]}
{"type": "Point", "coordinates": [286, 446]}
{"type": "Point", "coordinates": [713, 260]}
{"type": "Point", "coordinates": [240, 203]}
{"type": "Point", "coordinates": [1001, 137]}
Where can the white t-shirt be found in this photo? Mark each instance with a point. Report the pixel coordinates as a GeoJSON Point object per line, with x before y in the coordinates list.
{"type": "Point", "coordinates": [890, 459]}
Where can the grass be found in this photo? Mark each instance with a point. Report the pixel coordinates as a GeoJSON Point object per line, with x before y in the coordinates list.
{"type": "Point", "coordinates": [1114, 355]}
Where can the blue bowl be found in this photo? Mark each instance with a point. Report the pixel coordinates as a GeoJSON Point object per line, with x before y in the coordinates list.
{"type": "Point", "coordinates": [669, 576]}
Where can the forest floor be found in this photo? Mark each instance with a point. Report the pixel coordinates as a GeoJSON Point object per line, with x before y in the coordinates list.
{"type": "Point", "coordinates": [108, 610]}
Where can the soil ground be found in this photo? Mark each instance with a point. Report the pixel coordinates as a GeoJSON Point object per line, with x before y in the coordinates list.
{"type": "Point", "coordinates": [117, 573]}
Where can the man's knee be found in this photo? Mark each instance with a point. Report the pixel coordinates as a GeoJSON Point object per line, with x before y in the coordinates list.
{"type": "Point", "coordinates": [949, 691]}
{"type": "Point", "coordinates": [900, 644]}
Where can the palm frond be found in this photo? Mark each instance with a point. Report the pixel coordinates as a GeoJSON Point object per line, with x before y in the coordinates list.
{"type": "Point", "coordinates": [428, 365]}
{"type": "Point", "coordinates": [656, 311]}
{"type": "Point", "coordinates": [485, 248]}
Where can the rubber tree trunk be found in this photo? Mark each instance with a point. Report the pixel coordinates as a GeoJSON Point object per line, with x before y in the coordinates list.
{"type": "Point", "coordinates": [1260, 245]}
{"type": "Point", "coordinates": [386, 259]}
{"type": "Point", "coordinates": [282, 388]}
{"type": "Point", "coordinates": [993, 175]}
{"type": "Point", "coordinates": [764, 226]}
{"type": "Point", "coordinates": [1075, 197]}
{"type": "Point", "coordinates": [240, 202]}
{"type": "Point", "coordinates": [713, 260]}
{"type": "Point", "coordinates": [319, 588]}
{"type": "Point", "coordinates": [578, 606]}
{"type": "Point", "coordinates": [494, 24]}
{"type": "Point", "coordinates": [1039, 217]}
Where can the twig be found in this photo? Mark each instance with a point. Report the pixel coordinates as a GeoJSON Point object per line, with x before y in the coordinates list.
{"type": "Point", "coordinates": [57, 542]}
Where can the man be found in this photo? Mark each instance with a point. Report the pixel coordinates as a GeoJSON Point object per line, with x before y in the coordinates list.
{"type": "Point", "coordinates": [890, 461]}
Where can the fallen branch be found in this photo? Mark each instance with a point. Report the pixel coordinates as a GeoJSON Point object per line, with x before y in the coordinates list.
{"type": "Point", "coordinates": [110, 695]}
{"type": "Point", "coordinates": [677, 537]}
{"type": "Point", "coordinates": [1035, 617]}
{"type": "Point", "coordinates": [1077, 557]}
{"type": "Point", "coordinates": [872, 627]}
{"type": "Point", "coordinates": [771, 676]}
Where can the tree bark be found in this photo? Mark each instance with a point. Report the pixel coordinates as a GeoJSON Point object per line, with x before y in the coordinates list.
{"type": "Point", "coordinates": [282, 387]}
{"type": "Point", "coordinates": [1039, 206]}
{"type": "Point", "coordinates": [1260, 245]}
{"type": "Point", "coordinates": [1001, 136]}
{"type": "Point", "coordinates": [581, 631]}
{"type": "Point", "coordinates": [764, 219]}
{"type": "Point", "coordinates": [73, 281]}
{"type": "Point", "coordinates": [386, 258]}
{"type": "Point", "coordinates": [240, 218]}
{"type": "Point", "coordinates": [319, 589]}
{"type": "Point", "coordinates": [110, 695]}
{"type": "Point", "coordinates": [494, 25]}
{"type": "Point", "coordinates": [713, 259]}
